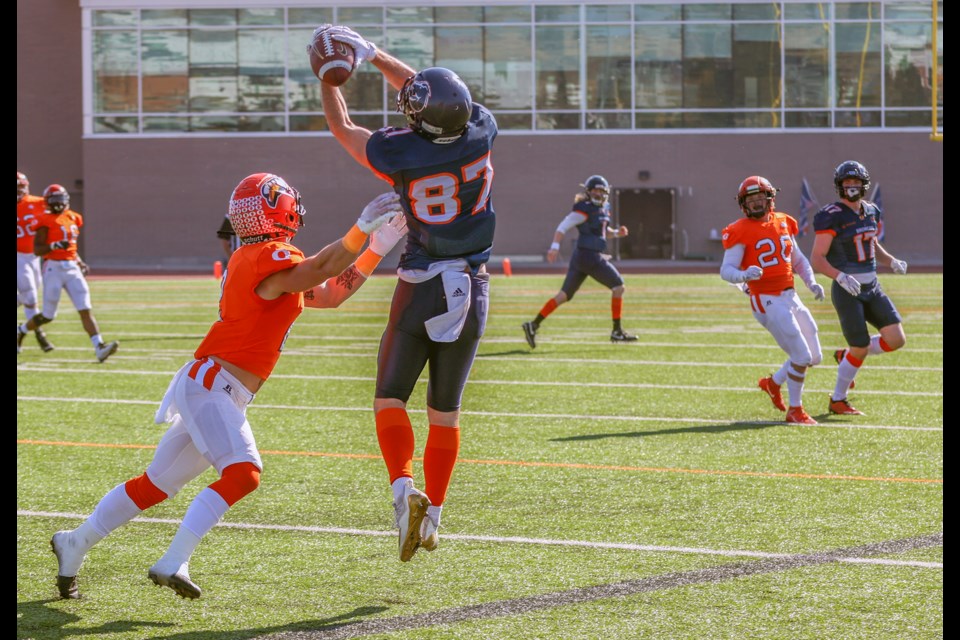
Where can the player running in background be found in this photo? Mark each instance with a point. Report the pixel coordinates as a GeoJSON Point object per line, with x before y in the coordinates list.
{"type": "Point", "coordinates": [846, 250]}
{"type": "Point", "coordinates": [440, 165]}
{"type": "Point", "coordinates": [591, 217]}
{"type": "Point", "coordinates": [761, 251]}
{"type": "Point", "coordinates": [29, 210]}
{"type": "Point", "coordinates": [267, 283]}
{"type": "Point", "coordinates": [63, 268]}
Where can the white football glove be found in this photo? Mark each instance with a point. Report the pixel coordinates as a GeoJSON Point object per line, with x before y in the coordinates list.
{"type": "Point", "coordinates": [850, 284]}
{"type": "Point", "coordinates": [363, 49]}
{"type": "Point", "coordinates": [387, 236]}
{"type": "Point", "coordinates": [753, 272]}
{"type": "Point", "coordinates": [899, 266]}
{"type": "Point", "coordinates": [60, 244]}
{"type": "Point", "coordinates": [816, 290]}
{"type": "Point", "coordinates": [379, 211]}
{"type": "Point", "coordinates": [317, 32]}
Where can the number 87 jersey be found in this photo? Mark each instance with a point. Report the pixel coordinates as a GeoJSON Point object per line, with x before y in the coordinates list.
{"type": "Point", "coordinates": [444, 188]}
{"type": "Point", "coordinates": [768, 243]}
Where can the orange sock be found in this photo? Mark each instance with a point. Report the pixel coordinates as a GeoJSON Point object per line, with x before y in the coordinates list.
{"type": "Point", "coordinates": [439, 458]}
{"type": "Point", "coordinates": [548, 308]}
{"type": "Point", "coordinates": [616, 307]}
{"type": "Point", "coordinates": [395, 435]}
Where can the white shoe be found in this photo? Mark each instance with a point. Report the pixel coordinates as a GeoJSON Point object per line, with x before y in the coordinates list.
{"type": "Point", "coordinates": [69, 556]}
{"type": "Point", "coordinates": [410, 511]}
{"type": "Point", "coordinates": [429, 539]}
{"type": "Point", "coordinates": [178, 580]}
{"type": "Point", "coordinates": [104, 351]}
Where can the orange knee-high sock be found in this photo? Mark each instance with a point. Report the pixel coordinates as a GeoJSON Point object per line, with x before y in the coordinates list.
{"type": "Point", "coordinates": [439, 458]}
{"type": "Point", "coordinates": [616, 307]}
{"type": "Point", "coordinates": [548, 308]}
{"type": "Point", "coordinates": [395, 435]}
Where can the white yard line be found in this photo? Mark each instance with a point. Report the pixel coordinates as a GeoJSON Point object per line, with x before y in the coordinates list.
{"type": "Point", "coordinates": [733, 553]}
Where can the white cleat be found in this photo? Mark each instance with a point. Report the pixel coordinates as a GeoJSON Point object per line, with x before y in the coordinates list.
{"type": "Point", "coordinates": [69, 559]}
{"type": "Point", "coordinates": [429, 539]}
{"type": "Point", "coordinates": [104, 351]}
{"type": "Point", "coordinates": [178, 580]}
{"type": "Point", "coordinates": [410, 511]}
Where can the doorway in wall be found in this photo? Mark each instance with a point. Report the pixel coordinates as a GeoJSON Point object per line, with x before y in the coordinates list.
{"type": "Point", "coordinates": [650, 215]}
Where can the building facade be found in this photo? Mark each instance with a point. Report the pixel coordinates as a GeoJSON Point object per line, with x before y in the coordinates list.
{"type": "Point", "coordinates": [150, 112]}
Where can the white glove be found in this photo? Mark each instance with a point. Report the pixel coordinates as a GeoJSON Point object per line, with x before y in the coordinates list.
{"type": "Point", "coordinates": [380, 210]}
{"type": "Point", "coordinates": [816, 290]}
{"type": "Point", "coordinates": [899, 266]}
{"type": "Point", "coordinates": [317, 32]}
{"type": "Point", "coordinates": [63, 244]}
{"type": "Point", "coordinates": [753, 272]}
{"type": "Point", "coordinates": [850, 284]}
{"type": "Point", "coordinates": [363, 49]}
{"type": "Point", "coordinates": [387, 236]}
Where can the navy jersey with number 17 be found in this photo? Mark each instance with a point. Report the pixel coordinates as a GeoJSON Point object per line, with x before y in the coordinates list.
{"type": "Point", "coordinates": [444, 188]}
{"type": "Point", "coordinates": [853, 234]}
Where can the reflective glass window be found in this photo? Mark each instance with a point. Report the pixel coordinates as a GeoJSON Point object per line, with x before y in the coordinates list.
{"type": "Point", "coordinates": [558, 67]}
{"type": "Point", "coordinates": [115, 62]}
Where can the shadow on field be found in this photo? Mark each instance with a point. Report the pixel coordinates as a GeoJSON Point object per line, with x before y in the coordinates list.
{"type": "Point", "coordinates": [38, 620]}
{"type": "Point", "coordinates": [512, 352]}
{"type": "Point", "coordinates": [325, 624]}
{"type": "Point", "coordinates": [719, 428]}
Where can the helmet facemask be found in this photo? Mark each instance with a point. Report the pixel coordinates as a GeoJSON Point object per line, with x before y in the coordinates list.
{"type": "Point", "coordinates": [597, 189]}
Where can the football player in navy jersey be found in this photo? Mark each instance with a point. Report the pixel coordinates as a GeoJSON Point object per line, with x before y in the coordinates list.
{"type": "Point", "coordinates": [440, 166]}
{"type": "Point", "coordinates": [847, 250]}
{"type": "Point", "coordinates": [591, 217]}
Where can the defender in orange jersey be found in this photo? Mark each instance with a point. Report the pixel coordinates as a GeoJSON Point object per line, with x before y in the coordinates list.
{"type": "Point", "coordinates": [29, 210]}
{"type": "Point", "coordinates": [56, 242]}
{"type": "Point", "coordinates": [264, 291]}
{"type": "Point", "coordinates": [762, 257]}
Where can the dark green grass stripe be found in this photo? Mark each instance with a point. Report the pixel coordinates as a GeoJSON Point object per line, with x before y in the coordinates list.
{"type": "Point", "coordinates": [628, 588]}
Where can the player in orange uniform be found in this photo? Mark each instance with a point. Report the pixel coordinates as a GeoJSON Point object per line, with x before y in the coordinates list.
{"type": "Point", "coordinates": [29, 210]}
{"type": "Point", "coordinates": [761, 250]}
{"type": "Point", "coordinates": [56, 242]}
{"type": "Point", "coordinates": [263, 292]}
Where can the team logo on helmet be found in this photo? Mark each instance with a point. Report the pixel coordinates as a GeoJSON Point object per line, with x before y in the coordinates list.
{"type": "Point", "coordinates": [273, 188]}
{"type": "Point", "coordinates": [418, 95]}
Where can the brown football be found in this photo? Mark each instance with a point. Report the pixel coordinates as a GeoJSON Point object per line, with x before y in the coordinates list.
{"type": "Point", "coordinates": [331, 61]}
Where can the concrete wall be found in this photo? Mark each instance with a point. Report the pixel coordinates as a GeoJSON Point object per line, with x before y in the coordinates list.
{"type": "Point", "coordinates": [156, 203]}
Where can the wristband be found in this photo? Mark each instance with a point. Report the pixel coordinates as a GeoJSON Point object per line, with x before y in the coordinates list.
{"type": "Point", "coordinates": [354, 239]}
{"type": "Point", "coordinates": [554, 246]}
{"type": "Point", "coordinates": [367, 262]}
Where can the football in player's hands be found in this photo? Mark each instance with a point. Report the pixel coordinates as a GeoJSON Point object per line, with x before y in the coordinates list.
{"type": "Point", "coordinates": [332, 61]}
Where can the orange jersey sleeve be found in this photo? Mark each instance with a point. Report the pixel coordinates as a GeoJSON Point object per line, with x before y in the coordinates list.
{"type": "Point", "coordinates": [251, 331]}
{"type": "Point", "coordinates": [29, 211]}
{"type": "Point", "coordinates": [767, 244]}
{"type": "Point", "coordinates": [62, 226]}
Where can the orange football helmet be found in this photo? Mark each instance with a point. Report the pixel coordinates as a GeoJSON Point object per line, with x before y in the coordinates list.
{"type": "Point", "coordinates": [754, 185]}
{"type": "Point", "coordinates": [264, 207]}
{"type": "Point", "coordinates": [56, 198]}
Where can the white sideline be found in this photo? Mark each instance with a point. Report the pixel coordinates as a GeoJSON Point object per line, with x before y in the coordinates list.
{"type": "Point", "coordinates": [733, 553]}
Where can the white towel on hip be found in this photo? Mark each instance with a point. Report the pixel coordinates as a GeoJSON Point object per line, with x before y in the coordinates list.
{"type": "Point", "coordinates": [457, 282]}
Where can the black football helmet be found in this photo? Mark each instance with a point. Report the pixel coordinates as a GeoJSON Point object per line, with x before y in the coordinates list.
{"type": "Point", "coordinates": [851, 169]}
{"type": "Point", "coordinates": [437, 104]}
{"type": "Point", "coordinates": [56, 198]}
{"type": "Point", "coordinates": [597, 182]}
